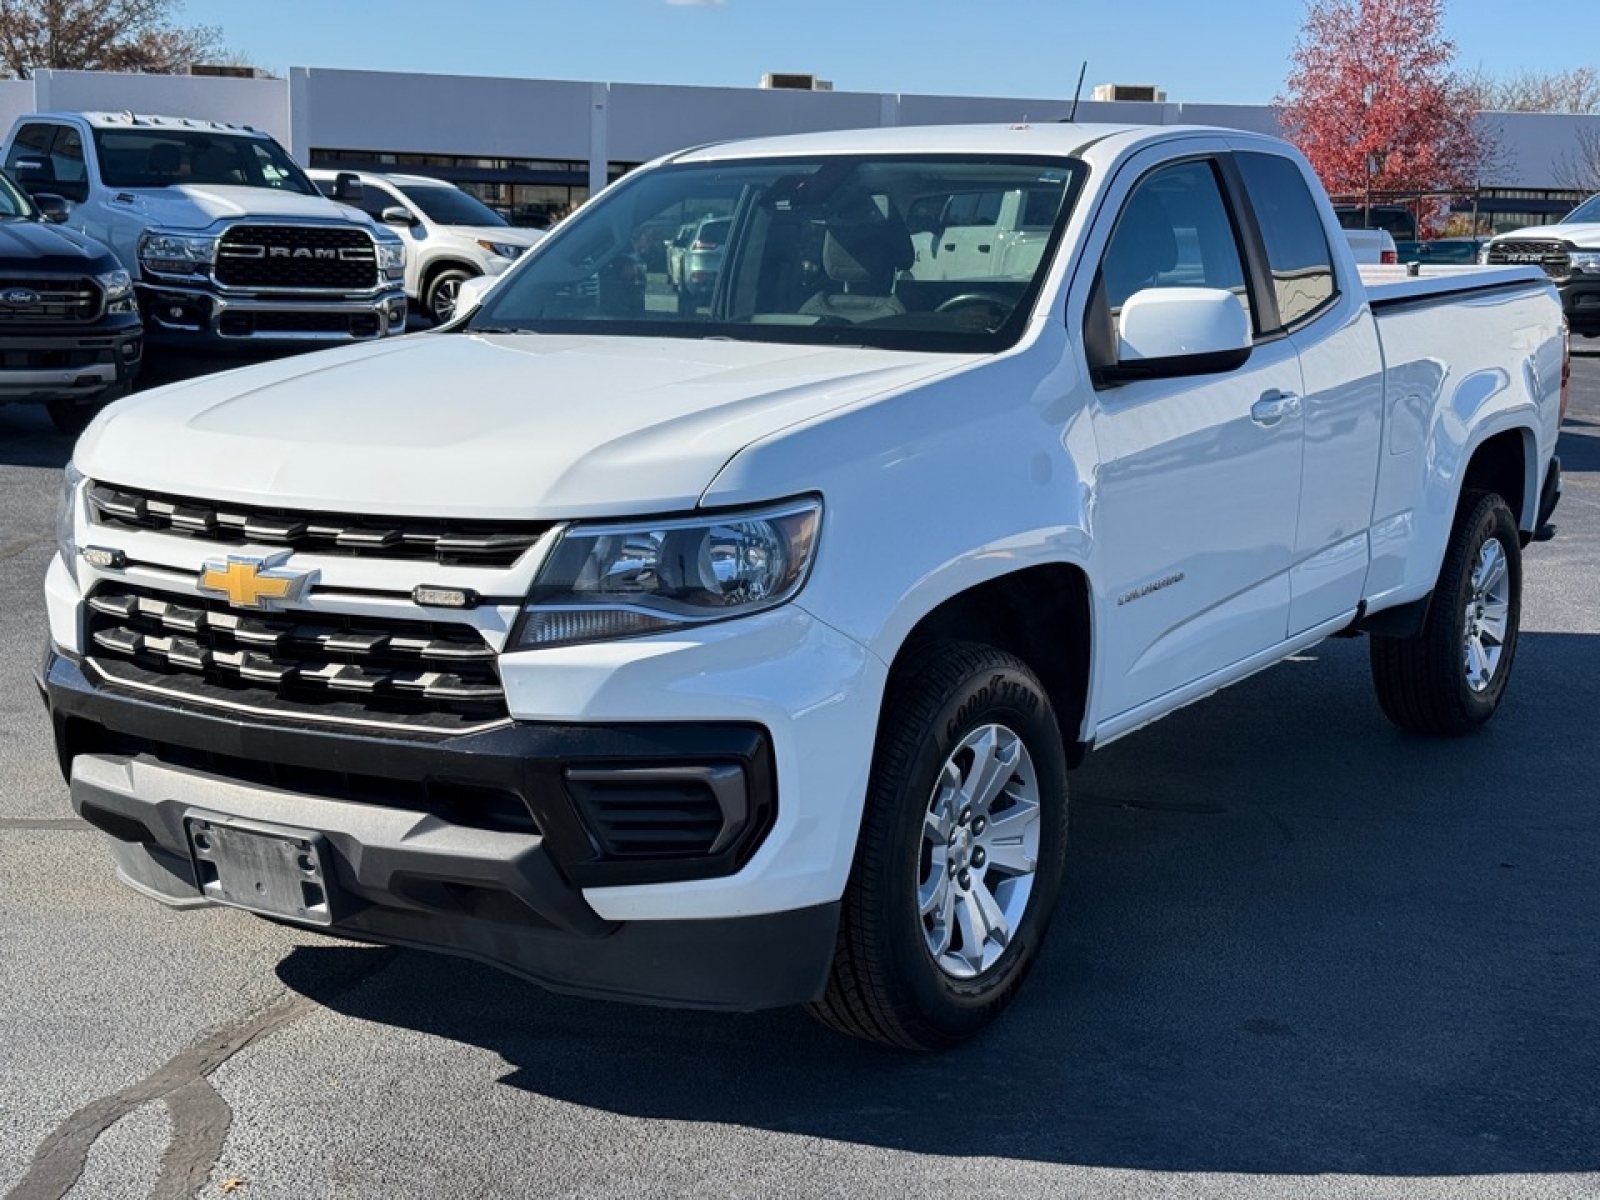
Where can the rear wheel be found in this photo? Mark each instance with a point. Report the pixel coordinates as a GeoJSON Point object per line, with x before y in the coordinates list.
{"type": "Point", "coordinates": [1450, 676]}
{"type": "Point", "coordinates": [961, 853]}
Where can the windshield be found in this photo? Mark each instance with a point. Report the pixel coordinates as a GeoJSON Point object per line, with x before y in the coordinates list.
{"type": "Point", "coordinates": [1589, 210]}
{"type": "Point", "coordinates": [927, 253]}
{"type": "Point", "coordinates": [150, 158]}
{"type": "Point", "coordinates": [450, 206]}
{"type": "Point", "coordinates": [14, 205]}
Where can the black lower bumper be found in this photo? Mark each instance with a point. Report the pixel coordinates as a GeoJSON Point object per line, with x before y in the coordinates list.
{"type": "Point", "coordinates": [419, 852]}
{"type": "Point", "coordinates": [70, 361]}
{"type": "Point", "coordinates": [1580, 299]}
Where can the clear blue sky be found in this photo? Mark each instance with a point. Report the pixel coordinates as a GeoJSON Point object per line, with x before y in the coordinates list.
{"type": "Point", "coordinates": [1199, 51]}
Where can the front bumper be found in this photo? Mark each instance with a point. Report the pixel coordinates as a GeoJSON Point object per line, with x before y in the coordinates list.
{"type": "Point", "coordinates": [422, 853]}
{"type": "Point", "coordinates": [1580, 298]}
{"type": "Point", "coordinates": [70, 361]}
{"type": "Point", "coordinates": [198, 317]}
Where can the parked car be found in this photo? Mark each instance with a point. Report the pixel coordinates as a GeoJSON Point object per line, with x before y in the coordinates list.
{"type": "Point", "coordinates": [738, 657]}
{"type": "Point", "coordinates": [229, 244]}
{"type": "Point", "coordinates": [1445, 251]}
{"type": "Point", "coordinates": [702, 259]}
{"type": "Point", "coordinates": [1372, 245]}
{"type": "Point", "coordinates": [70, 337]}
{"type": "Point", "coordinates": [1396, 219]}
{"type": "Point", "coordinates": [450, 236]}
{"type": "Point", "coordinates": [676, 247]}
{"type": "Point", "coordinates": [1569, 252]}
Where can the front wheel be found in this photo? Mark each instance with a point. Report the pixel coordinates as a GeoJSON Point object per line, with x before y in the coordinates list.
{"type": "Point", "coordinates": [1450, 676]}
{"type": "Point", "coordinates": [961, 853]}
{"type": "Point", "coordinates": [443, 289]}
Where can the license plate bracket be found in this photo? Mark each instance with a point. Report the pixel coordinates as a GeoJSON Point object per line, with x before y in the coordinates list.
{"type": "Point", "coordinates": [274, 870]}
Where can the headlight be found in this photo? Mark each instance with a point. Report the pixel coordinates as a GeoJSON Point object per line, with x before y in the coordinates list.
{"type": "Point", "coordinates": [1585, 260]}
{"type": "Point", "coordinates": [616, 581]}
{"type": "Point", "coordinates": [66, 517]}
{"type": "Point", "coordinates": [1483, 254]}
{"type": "Point", "coordinates": [118, 286]}
{"type": "Point", "coordinates": [176, 253]}
{"type": "Point", "coordinates": [392, 258]}
{"type": "Point", "coordinates": [503, 249]}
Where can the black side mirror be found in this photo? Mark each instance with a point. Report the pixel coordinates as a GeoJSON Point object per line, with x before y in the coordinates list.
{"type": "Point", "coordinates": [52, 208]}
{"type": "Point", "coordinates": [33, 172]}
{"type": "Point", "coordinates": [347, 188]}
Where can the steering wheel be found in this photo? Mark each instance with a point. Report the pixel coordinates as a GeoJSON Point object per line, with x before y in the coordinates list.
{"type": "Point", "coordinates": [973, 299]}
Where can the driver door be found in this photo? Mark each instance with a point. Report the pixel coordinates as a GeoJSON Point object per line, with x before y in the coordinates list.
{"type": "Point", "coordinates": [1199, 482]}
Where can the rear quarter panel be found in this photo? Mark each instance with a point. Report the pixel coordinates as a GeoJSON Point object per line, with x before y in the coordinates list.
{"type": "Point", "coordinates": [1458, 370]}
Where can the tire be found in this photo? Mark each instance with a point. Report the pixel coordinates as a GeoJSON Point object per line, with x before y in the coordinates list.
{"type": "Point", "coordinates": [1449, 677]}
{"type": "Point", "coordinates": [439, 300]}
{"type": "Point", "coordinates": [908, 969]}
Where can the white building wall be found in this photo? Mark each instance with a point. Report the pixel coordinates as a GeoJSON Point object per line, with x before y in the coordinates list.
{"type": "Point", "coordinates": [441, 114]}
{"type": "Point", "coordinates": [644, 122]}
{"type": "Point", "coordinates": [1532, 149]}
{"type": "Point", "coordinates": [599, 123]}
{"type": "Point", "coordinates": [261, 103]}
{"type": "Point", "coordinates": [16, 98]}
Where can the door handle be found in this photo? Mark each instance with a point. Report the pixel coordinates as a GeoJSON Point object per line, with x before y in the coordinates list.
{"type": "Point", "coordinates": [1274, 407]}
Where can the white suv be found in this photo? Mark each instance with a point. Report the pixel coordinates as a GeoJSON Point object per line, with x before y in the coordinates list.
{"type": "Point", "coordinates": [450, 236]}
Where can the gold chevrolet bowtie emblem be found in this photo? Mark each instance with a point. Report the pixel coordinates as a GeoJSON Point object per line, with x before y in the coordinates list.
{"type": "Point", "coordinates": [254, 582]}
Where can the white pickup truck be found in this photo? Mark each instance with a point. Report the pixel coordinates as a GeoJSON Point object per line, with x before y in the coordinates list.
{"type": "Point", "coordinates": [229, 244]}
{"type": "Point", "coordinates": [1569, 252]}
{"type": "Point", "coordinates": [737, 656]}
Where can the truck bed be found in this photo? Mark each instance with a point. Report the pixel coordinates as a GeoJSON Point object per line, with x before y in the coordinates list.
{"type": "Point", "coordinates": [1395, 284]}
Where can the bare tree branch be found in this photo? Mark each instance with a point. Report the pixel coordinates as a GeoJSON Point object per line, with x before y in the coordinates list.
{"type": "Point", "coordinates": [100, 35]}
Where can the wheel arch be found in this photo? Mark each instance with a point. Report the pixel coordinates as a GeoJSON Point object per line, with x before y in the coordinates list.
{"type": "Point", "coordinates": [1506, 463]}
{"type": "Point", "coordinates": [1043, 614]}
{"type": "Point", "coordinates": [435, 268]}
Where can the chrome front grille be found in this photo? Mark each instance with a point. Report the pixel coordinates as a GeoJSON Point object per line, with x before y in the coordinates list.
{"type": "Point", "coordinates": [49, 298]}
{"type": "Point", "coordinates": [449, 542]}
{"type": "Point", "coordinates": [295, 257]}
{"type": "Point", "coordinates": [1552, 256]}
{"type": "Point", "coordinates": [432, 676]}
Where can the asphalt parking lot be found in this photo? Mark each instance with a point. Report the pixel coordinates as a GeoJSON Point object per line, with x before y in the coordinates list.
{"type": "Point", "coordinates": [1298, 954]}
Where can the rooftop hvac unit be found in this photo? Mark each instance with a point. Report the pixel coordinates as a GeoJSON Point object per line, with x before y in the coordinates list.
{"type": "Point", "coordinates": [222, 70]}
{"type": "Point", "coordinates": [790, 82]}
{"type": "Point", "coordinates": [1145, 93]}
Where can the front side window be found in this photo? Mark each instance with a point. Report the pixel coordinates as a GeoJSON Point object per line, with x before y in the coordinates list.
{"type": "Point", "coordinates": [1174, 231]}
{"type": "Point", "coordinates": [1291, 227]}
{"type": "Point", "coordinates": [936, 252]}
{"type": "Point", "coordinates": [159, 157]}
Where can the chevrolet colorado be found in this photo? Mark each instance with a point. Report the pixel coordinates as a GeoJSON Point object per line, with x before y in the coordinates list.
{"type": "Point", "coordinates": [738, 656]}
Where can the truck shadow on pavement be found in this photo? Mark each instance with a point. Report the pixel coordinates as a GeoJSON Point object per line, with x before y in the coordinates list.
{"type": "Point", "coordinates": [1293, 940]}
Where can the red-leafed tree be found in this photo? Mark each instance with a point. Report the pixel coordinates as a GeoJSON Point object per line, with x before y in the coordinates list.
{"type": "Point", "coordinates": [1371, 100]}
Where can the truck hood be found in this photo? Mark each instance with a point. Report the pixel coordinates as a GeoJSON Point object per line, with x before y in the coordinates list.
{"type": "Point", "coordinates": [196, 206]}
{"type": "Point", "coordinates": [1584, 234]}
{"type": "Point", "coordinates": [27, 246]}
{"type": "Point", "coordinates": [466, 425]}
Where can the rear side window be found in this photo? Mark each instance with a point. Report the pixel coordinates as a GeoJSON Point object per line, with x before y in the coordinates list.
{"type": "Point", "coordinates": [1291, 226]}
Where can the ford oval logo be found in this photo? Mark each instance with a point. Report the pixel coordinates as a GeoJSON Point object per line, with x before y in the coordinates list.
{"type": "Point", "coordinates": [19, 297]}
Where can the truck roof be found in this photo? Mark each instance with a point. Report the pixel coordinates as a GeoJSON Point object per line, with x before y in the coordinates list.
{"type": "Point", "coordinates": [133, 120]}
{"type": "Point", "coordinates": [1053, 138]}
